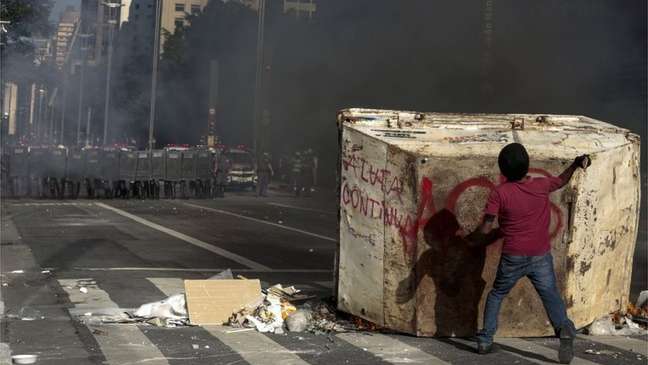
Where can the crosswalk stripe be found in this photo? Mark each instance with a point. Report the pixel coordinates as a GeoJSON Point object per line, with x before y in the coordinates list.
{"type": "Point", "coordinates": [390, 349]}
{"type": "Point", "coordinates": [254, 347]}
{"type": "Point", "coordinates": [194, 241]}
{"type": "Point", "coordinates": [528, 346]}
{"type": "Point", "coordinates": [120, 344]}
{"type": "Point", "coordinates": [168, 286]}
{"type": "Point", "coordinates": [621, 342]}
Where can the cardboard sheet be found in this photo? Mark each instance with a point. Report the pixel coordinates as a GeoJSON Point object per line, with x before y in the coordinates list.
{"type": "Point", "coordinates": [214, 301]}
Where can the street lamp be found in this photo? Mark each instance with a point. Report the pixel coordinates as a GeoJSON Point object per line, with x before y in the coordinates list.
{"type": "Point", "coordinates": [39, 117]}
{"type": "Point", "coordinates": [111, 25]}
{"type": "Point", "coordinates": [84, 49]}
{"type": "Point", "coordinates": [156, 58]}
{"type": "Point", "coordinates": [259, 77]}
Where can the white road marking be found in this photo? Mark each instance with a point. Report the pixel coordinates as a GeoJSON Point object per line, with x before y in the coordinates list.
{"type": "Point", "coordinates": [120, 344]}
{"type": "Point", "coordinates": [528, 346]}
{"type": "Point", "coordinates": [194, 241]}
{"type": "Point", "coordinates": [621, 342]}
{"type": "Point", "coordinates": [52, 204]}
{"type": "Point", "coordinates": [390, 349]}
{"type": "Point", "coordinates": [179, 269]}
{"type": "Point", "coordinates": [327, 284]}
{"type": "Point", "coordinates": [302, 208]}
{"type": "Point", "coordinates": [261, 221]}
{"type": "Point", "coordinates": [168, 286]}
{"type": "Point", "coordinates": [254, 347]}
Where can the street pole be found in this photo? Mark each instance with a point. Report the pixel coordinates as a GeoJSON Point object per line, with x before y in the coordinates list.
{"type": "Point", "coordinates": [259, 77]}
{"type": "Point", "coordinates": [87, 136]}
{"type": "Point", "coordinates": [111, 25]}
{"type": "Point", "coordinates": [84, 48]}
{"type": "Point", "coordinates": [39, 116]}
{"type": "Point", "coordinates": [61, 139]}
{"type": "Point", "coordinates": [156, 57]}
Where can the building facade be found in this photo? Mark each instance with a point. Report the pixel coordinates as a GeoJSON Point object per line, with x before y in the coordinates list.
{"type": "Point", "coordinates": [64, 32]}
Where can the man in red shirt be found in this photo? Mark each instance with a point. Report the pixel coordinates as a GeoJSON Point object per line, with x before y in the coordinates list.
{"type": "Point", "coordinates": [522, 207]}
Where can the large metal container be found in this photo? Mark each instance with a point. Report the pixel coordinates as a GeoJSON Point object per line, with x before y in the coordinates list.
{"type": "Point", "coordinates": [411, 182]}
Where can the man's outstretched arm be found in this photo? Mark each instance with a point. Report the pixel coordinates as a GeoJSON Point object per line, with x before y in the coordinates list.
{"type": "Point", "coordinates": [485, 234]}
{"type": "Point", "coordinates": [582, 161]}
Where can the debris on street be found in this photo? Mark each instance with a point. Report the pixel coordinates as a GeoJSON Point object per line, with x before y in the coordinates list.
{"type": "Point", "coordinates": [239, 303]}
{"type": "Point", "coordinates": [173, 307]}
{"type": "Point", "coordinates": [214, 301]}
{"type": "Point", "coordinates": [632, 322]}
{"type": "Point", "coordinates": [616, 325]}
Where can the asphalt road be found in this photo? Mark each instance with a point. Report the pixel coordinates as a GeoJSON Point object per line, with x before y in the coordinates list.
{"type": "Point", "coordinates": [128, 252]}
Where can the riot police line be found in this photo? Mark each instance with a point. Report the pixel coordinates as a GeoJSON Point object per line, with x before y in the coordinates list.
{"type": "Point", "coordinates": [65, 173]}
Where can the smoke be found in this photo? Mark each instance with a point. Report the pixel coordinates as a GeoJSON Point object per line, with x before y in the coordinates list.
{"type": "Point", "coordinates": [585, 57]}
{"type": "Point", "coordinates": [579, 57]}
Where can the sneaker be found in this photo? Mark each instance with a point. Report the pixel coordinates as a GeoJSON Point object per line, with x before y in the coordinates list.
{"type": "Point", "coordinates": [484, 348]}
{"type": "Point", "coordinates": [566, 350]}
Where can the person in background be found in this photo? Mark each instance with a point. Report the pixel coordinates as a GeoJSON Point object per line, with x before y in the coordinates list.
{"type": "Point", "coordinates": [522, 207]}
{"type": "Point", "coordinates": [264, 173]}
{"type": "Point", "coordinates": [221, 169]}
{"type": "Point", "coordinates": [297, 165]}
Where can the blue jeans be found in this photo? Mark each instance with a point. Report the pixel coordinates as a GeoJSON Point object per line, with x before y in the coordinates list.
{"type": "Point", "coordinates": [540, 270]}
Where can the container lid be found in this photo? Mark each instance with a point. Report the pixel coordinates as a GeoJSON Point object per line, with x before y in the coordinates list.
{"type": "Point", "coordinates": [446, 134]}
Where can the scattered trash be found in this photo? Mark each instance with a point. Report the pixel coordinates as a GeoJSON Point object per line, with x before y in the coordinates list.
{"type": "Point", "coordinates": [30, 314]}
{"type": "Point", "coordinates": [173, 307]}
{"type": "Point", "coordinates": [46, 271]}
{"type": "Point", "coordinates": [223, 275]}
{"type": "Point", "coordinates": [195, 346]}
{"type": "Point", "coordinates": [280, 222]}
{"type": "Point", "coordinates": [24, 359]}
{"type": "Point", "coordinates": [299, 321]}
{"type": "Point", "coordinates": [289, 294]}
{"type": "Point", "coordinates": [17, 272]}
{"type": "Point", "coordinates": [613, 354]}
{"type": "Point", "coordinates": [214, 301]}
{"type": "Point", "coordinates": [639, 311]}
{"type": "Point", "coordinates": [87, 314]}
{"type": "Point", "coordinates": [5, 284]}
{"type": "Point", "coordinates": [83, 290]}
{"type": "Point", "coordinates": [619, 326]}
{"type": "Point", "coordinates": [642, 300]}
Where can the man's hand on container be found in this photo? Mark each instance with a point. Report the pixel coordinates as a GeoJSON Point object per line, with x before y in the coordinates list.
{"type": "Point", "coordinates": [583, 161]}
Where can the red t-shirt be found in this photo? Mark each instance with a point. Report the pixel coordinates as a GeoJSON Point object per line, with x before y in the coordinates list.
{"type": "Point", "coordinates": [524, 213]}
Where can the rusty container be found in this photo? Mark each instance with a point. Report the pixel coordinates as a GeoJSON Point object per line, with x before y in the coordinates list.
{"type": "Point", "coordinates": [411, 183]}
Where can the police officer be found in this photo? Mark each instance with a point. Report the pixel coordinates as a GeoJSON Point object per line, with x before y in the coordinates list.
{"type": "Point", "coordinates": [296, 169]}
{"type": "Point", "coordinates": [308, 172]}
{"type": "Point", "coordinates": [221, 169]}
{"type": "Point", "coordinates": [264, 173]}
